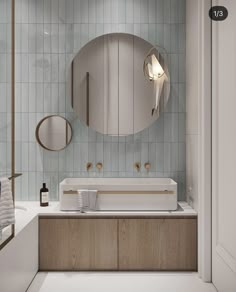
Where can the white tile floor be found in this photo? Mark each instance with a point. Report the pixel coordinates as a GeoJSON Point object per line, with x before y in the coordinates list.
{"type": "Point", "coordinates": [119, 282]}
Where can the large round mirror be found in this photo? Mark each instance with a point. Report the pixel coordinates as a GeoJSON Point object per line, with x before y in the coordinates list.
{"type": "Point", "coordinates": [110, 89]}
{"type": "Point", "coordinates": [54, 133]}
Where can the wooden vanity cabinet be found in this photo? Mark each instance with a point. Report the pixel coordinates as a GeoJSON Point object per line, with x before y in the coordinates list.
{"type": "Point", "coordinates": [77, 244]}
{"type": "Point", "coordinates": [158, 244]}
{"type": "Point", "coordinates": [151, 244]}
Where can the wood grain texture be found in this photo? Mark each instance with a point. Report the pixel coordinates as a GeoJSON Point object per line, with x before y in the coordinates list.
{"type": "Point", "coordinates": [158, 244]}
{"type": "Point", "coordinates": [78, 244]}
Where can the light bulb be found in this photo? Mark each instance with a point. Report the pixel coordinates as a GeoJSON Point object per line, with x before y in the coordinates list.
{"type": "Point", "coordinates": [157, 70]}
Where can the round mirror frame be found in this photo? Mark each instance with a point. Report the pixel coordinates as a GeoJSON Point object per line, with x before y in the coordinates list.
{"type": "Point", "coordinates": [39, 125]}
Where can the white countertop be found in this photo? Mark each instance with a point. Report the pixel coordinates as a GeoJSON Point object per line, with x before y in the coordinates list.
{"type": "Point", "coordinates": [33, 209]}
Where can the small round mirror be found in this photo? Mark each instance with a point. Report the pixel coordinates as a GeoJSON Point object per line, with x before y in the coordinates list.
{"type": "Point", "coordinates": [54, 133]}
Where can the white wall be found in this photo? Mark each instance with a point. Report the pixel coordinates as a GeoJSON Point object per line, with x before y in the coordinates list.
{"type": "Point", "coordinates": [198, 125]}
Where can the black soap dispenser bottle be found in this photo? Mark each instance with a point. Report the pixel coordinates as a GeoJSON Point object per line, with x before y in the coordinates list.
{"type": "Point", "coordinates": [44, 194]}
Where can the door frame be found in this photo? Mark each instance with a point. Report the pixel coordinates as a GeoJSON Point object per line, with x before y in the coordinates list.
{"type": "Point", "coordinates": [205, 143]}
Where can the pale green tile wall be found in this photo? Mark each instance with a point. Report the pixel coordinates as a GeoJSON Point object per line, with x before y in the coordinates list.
{"type": "Point", "coordinates": [48, 35]}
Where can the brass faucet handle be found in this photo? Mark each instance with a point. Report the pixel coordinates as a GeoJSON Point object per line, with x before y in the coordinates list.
{"type": "Point", "coordinates": [99, 166]}
{"type": "Point", "coordinates": [89, 166]}
{"type": "Point", "coordinates": [137, 165]}
{"type": "Point", "coordinates": [147, 166]}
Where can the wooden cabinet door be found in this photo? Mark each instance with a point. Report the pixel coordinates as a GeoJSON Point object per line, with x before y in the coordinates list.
{"type": "Point", "coordinates": [158, 244]}
{"type": "Point", "coordinates": [78, 244]}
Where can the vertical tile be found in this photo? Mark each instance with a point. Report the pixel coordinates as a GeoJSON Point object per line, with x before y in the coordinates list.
{"type": "Point", "coordinates": [62, 38]}
{"type": "Point", "coordinates": [159, 157]}
{"type": "Point", "coordinates": [24, 38]}
{"type": "Point", "coordinates": [182, 39]}
{"type": "Point", "coordinates": [32, 157]}
{"type": "Point", "coordinates": [171, 130]}
{"type": "Point", "coordinates": [32, 66]}
{"type": "Point", "coordinates": [25, 68]}
{"type": "Point", "coordinates": [32, 29]}
{"type": "Point", "coordinates": [25, 186]}
{"type": "Point", "coordinates": [3, 98]}
{"type": "Point", "coordinates": [174, 11]}
{"type": "Point", "coordinates": [25, 157]}
{"type": "Point", "coordinates": [84, 6]}
{"type": "Point", "coordinates": [182, 127]}
{"type": "Point", "coordinates": [32, 11]}
{"type": "Point", "coordinates": [182, 157]}
{"type": "Point", "coordinates": [114, 11]}
{"type": "Point", "coordinates": [62, 94]}
{"type": "Point", "coordinates": [121, 11]}
{"type": "Point", "coordinates": [54, 11]}
{"type": "Point", "coordinates": [69, 11]}
{"type": "Point", "coordinates": [33, 190]}
{"type": "Point", "coordinates": [129, 156]}
{"type": "Point", "coordinates": [173, 102]}
{"type": "Point", "coordinates": [174, 68]}
{"type": "Point", "coordinates": [107, 157]}
{"type": "Point", "coordinates": [115, 156]}
{"type": "Point", "coordinates": [92, 10]}
{"type": "Point", "coordinates": [47, 98]}
{"type": "Point", "coordinates": [167, 11]}
{"type": "Point", "coordinates": [182, 97]}
{"type": "Point", "coordinates": [54, 38]}
{"type": "Point", "coordinates": [130, 11]}
{"type": "Point", "coordinates": [32, 127]}
{"type": "Point", "coordinates": [152, 157]}
{"type": "Point", "coordinates": [167, 37]}
{"type": "Point", "coordinates": [39, 97]}
{"type": "Point", "coordinates": [144, 153]}
{"type": "Point", "coordinates": [137, 11]}
{"type": "Point", "coordinates": [182, 11]}
{"type": "Point", "coordinates": [182, 68]}
{"type": "Point", "coordinates": [144, 11]}
{"type": "Point", "coordinates": [62, 11]}
{"type": "Point", "coordinates": [47, 11]}
{"type": "Point", "coordinates": [54, 98]}
{"type": "Point", "coordinates": [3, 11]}
{"type": "Point", "coordinates": [24, 97]}
{"type": "Point", "coordinates": [152, 11]}
{"type": "Point", "coordinates": [39, 11]}
{"type": "Point", "coordinates": [107, 11]}
{"type": "Point", "coordinates": [55, 68]}
{"type": "Point", "coordinates": [99, 12]}
{"type": "Point", "coordinates": [161, 13]}
{"type": "Point", "coordinates": [152, 34]}
{"type": "Point", "coordinates": [77, 11]}
{"type": "Point", "coordinates": [69, 38]}
{"type": "Point", "coordinates": [171, 155]}
{"type": "Point", "coordinates": [174, 36]}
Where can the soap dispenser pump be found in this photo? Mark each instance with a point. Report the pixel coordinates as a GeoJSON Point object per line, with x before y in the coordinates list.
{"type": "Point", "coordinates": [44, 194]}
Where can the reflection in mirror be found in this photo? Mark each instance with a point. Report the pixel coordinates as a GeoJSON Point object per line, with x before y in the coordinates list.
{"type": "Point", "coordinates": [110, 92]}
{"type": "Point", "coordinates": [54, 133]}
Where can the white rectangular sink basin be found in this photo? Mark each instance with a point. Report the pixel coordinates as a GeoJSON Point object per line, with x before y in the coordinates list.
{"type": "Point", "coordinates": [122, 194]}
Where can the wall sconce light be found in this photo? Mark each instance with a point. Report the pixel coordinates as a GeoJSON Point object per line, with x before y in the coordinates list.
{"type": "Point", "coordinates": [155, 70]}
